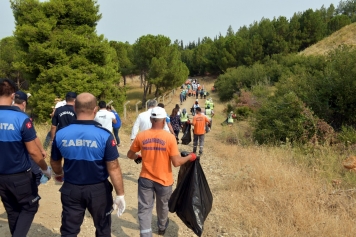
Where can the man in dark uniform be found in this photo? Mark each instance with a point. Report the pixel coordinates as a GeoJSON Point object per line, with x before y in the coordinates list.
{"type": "Point", "coordinates": [18, 189]}
{"type": "Point", "coordinates": [64, 115]}
{"type": "Point", "coordinates": [90, 156]}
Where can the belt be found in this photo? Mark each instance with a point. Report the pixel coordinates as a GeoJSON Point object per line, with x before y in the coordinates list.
{"type": "Point", "coordinates": [23, 172]}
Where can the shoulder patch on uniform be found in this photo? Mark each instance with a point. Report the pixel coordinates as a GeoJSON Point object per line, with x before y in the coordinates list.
{"type": "Point", "coordinates": [113, 143]}
{"type": "Point", "coordinates": [29, 125]}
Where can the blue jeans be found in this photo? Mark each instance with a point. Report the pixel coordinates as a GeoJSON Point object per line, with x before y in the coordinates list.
{"type": "Point", "coordinates": [116, 135]}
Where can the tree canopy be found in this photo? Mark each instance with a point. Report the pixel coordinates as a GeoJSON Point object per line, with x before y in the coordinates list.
{"type": "Point", "coordinates": [159, 63]}
{"type": "Point", "coordinates": [61, 51]}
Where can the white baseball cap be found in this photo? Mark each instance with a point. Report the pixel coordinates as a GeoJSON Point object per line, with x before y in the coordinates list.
{"type": "Point", "coordinates": [158, 112]}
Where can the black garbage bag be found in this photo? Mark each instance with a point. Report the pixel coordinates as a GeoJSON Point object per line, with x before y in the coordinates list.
{"type": "Point", "coordinates": [187, 135]}
{"type": "Point", "coordinates": [192, 199]}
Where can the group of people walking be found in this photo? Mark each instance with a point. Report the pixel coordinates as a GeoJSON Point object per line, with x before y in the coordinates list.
{"type": "Point", "coordinates": [84, 153]}
{"type": "Point", "coordinates": [193, 89]}
{"type": "Point", "coordinates": [90, 156]}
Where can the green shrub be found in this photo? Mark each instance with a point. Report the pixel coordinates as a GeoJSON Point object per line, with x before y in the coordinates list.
{"type": "Point", "coordinates": [284, 118]}
{"type": "Point", "coordinates": [243, 112]}
{"type": "Point", "coordinates": [347, 135]}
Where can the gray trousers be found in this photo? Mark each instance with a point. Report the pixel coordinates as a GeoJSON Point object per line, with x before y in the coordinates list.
{"type": "Point", "coordinates": [147, 190]}
{"type": "Point", "coordinates": [201, 142]}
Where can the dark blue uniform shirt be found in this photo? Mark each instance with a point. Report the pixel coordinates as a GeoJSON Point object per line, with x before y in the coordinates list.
{"type": "Point", "coordinates": [63, 116]}
{"type": "Point", "coordinates": [85, 147]}
{"type": "Point", "coordinates": [15, 129]}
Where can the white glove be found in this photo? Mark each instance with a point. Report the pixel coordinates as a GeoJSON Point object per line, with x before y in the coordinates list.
{"type": "Point", "coordinates": [119, 204]}
{"type": "Point", "coordinates": [48, 172]}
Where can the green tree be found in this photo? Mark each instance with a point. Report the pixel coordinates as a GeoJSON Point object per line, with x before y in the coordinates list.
{"type": "Point", "coordinates": [337, 22]}
{"type": "Point", "coordinates": [347, 8]}
{"type": "Point", "coordinates": [312, 27]}
{"type": "Point", "coordinates": [125, 57]}
{"type": "Point", "coordinates": [201, 61]}
{"type": "Point", "coordinates": [9, 62]}
{"type": "Point", "coordinates": [294, 35]}
{"type": "Point", "coordinates": [62, 51]}
{"type": "Point", "coordinates": [279, 44]}
{"type": "Point", "coordinates": [159, 63]}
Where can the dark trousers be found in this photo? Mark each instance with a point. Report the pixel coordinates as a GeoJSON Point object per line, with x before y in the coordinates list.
{"type": "Point", "coordinates": [176, 133]}
{"type": "Point", "coordinates": [97, 198]}
{"type": "Point", "coordinates": [116, 134]}
{"type": "Point", "coordinates": [184, 126]}
{"type": "Point", "coordinates": [19, 194]}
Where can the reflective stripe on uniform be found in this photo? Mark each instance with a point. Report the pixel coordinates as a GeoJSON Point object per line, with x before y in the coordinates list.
{"type": "Point", "coordinates": [146, 231]}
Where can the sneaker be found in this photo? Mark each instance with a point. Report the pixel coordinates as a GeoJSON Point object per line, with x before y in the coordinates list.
{"type": "Point", "coordinates": [200, 152]}
{"type": "Point", "coordinates": [162, 232]}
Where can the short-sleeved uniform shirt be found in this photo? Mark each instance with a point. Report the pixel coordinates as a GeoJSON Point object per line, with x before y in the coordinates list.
{"type": "Point", "coordinates": [15, 129]}
{"type": "Point", "coordinates": [85, 147]}
{"type": "Point", "coordinates": [105, 118]}
{"type": "Point", "coordinates": [156, 147]}
{"type": "Point", "coordinates": [63, 116]}
{"type": "Point", "coordinates": [199, 123]}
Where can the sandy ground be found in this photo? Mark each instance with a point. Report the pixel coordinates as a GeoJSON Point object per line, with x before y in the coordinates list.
{"type": "Point", "coordinates": [47, 221]}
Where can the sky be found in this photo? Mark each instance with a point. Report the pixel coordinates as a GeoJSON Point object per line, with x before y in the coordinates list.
{"type": "Point", "coordinates": [187, 20]}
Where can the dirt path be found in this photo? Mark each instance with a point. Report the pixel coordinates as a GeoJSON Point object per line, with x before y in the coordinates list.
{"type": "Point", "coordinates": [47, 221]}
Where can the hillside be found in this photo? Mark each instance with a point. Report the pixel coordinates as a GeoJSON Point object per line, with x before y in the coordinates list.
{"type": "Point", "coordinates": [344, 36]}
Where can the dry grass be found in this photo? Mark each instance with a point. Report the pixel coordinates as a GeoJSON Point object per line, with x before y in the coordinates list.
{"type": "Point", "coordinates": [344, 36]}
{"type": "Point", "coordinates": [261, 192]}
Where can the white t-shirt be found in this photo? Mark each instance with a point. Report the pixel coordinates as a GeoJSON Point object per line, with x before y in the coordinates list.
{"type": "Point", "coordinates": [60, 104]}
{"type": "Point", "coordinates": [143, 123]}
{"type": "Point", "coordinates": [105, 118]}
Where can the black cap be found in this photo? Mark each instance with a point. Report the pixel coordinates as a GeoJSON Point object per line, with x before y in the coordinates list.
{"type": "Point", "coordinates": [21, 95]}
{"type": "Point", "coordinates": [72, 95]}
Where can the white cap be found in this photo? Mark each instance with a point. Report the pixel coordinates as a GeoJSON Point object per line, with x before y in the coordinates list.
{"type": "Point", "coordinates": [158, 112]}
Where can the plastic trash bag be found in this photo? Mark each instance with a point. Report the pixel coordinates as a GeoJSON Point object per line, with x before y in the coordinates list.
{"type": "Point", "coordinates": [192, 199]}
{"type": "Point", "coordinates": [187, 135]}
